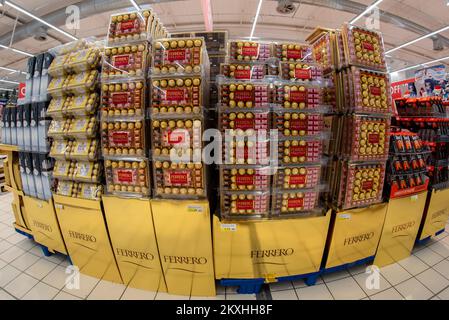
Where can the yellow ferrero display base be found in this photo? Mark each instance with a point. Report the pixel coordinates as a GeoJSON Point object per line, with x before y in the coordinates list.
{"type": "Point", "coordinates": [44, 224]}
{"type": "Point", "coordinates": [269, 249]}
{"type": "Point", "coordinates": [400, 229]}
{"type": "Point", "coordinates": [11, 166]}
{"type": "Point", "coordinates": [183, 234]}
{"type": "Point", "coordinates": [86, 237]}
{"type": "Point", "coordinates": [18, 208]}
{"type": "Point", "coordinates": [437, 215]}
{"type": "Point", "coordinates": [131, 229]}
{"type": "Point", "coordinates": [355, 234]}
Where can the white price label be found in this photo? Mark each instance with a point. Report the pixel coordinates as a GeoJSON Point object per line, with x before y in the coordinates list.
{"type": "Point", "coordinates": [345, 216]}
{"type": "Point", "coordinates": [229, 227]}
{"type": "Point", "coordinates": [194, 208]}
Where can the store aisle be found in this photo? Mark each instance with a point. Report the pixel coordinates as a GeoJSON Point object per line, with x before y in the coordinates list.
{"type": "Point", "coordinates": [25, 273]}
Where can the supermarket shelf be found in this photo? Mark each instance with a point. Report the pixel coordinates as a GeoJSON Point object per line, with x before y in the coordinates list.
{"type": "Point", "coordinates": [8, 147]}
{"type": "Point", "coordinates": [10, 189]}
{"type": "Point", "coordinates": [440, 186]}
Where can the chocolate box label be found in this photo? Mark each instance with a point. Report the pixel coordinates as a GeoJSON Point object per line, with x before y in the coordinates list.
{"type": "Point", "coordinates": [120, 97]}
{"type": "Point", "coordinates": [375, 91]}
{"type": "Point", "coordinates": [244, 204]}
{"type": "Point", "coordinates": [244, 124]}
{"type": "Point", "coordinates": [244, 180]}
{"type": "Point", "coordinates": [126, 176]}
{"type": "Point", "coordinates": [176, 55]}
{"type": "Point", "coordinates": [297, 179]}
{"type": "Point", "coordinates": [179, 178]}
{"type": "Point", "coordinates": [303, 74]}
{"type": "Point", "coordinates": [373, 138]}
{"type": "Point", "coordinates": [242, 74]}
{"type": "Point", "coordinates": [368, 46]}
{"type": "Point", "coordinates": [175, 137]}
{"type": "Point", "coordinates": [174, 94]}
{"type": "Point", "coordinates": [250, 51]}
{"type": "Point", "coordinates": [120, 138]}
{"type": "Point", "coordinates": [121, 61]}
{"type": "Point", "coordinates": [244, 95]}
{"type": "Point", "coordinates": [125, 26]}
{"type": "Point", "coordinates": [295, 203]}
{"type": "Point", "coordinates": [298, 96]}
{"type": "Point", "coordinates": [367, 185]}
{"type": "Point", "coordinates": [294, 54]}
{"type": "Point", "coordinates": [298, 124]}
{"type": "Point", "coordinates": [298, 151]}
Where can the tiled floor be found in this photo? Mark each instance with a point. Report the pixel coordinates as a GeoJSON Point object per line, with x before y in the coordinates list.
{"type": "Point", "coordinates": [25, 273]}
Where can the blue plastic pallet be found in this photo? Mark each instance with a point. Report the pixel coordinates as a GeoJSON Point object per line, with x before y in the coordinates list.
{"type": "Point", "coordinates": [423, 241]}
{"type": "Point", "coordinates": [44, 249]}
{"type": "Point", "coordinates": [248, 286]}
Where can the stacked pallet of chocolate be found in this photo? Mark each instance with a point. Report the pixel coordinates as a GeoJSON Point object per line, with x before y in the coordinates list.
{"type": "Point", "coordinates": [74, 89]}
{"type": "Point", "coordinates": [244, 121]}
{"type": "Point", "coordinates": [298, 117]}
{"type": "Point", "coordinates": [179, 99]}
{"type": "Point", "coordinates": [360, 126]}
{"type": "Point", "coordinates": [124, 99]}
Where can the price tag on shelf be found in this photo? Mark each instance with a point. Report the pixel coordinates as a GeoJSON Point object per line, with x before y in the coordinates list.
{"type": "Point", "coordinates": [228, 227]}
{"type": "Point", "coordinates": [345, 216]}
{"type": "Point", "coordinates": [414, 198]}
{"type": "Point", "coordinates": [194, 208]}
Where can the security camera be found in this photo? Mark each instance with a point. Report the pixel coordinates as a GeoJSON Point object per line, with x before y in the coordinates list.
{"type": "Point", "coordinates": [285, 7]}
{"type": "Point", "coordinates": [41, 34]}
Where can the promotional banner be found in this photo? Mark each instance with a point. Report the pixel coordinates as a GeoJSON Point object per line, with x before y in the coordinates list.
{"type": "Point", "coordinates": [432, 81]}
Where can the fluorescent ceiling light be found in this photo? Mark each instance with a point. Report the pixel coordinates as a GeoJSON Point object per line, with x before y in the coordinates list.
{"type": "Point", "coordinates": [17, 51]}
{"type": "Point", "coordinates": [255, 19]}
{"type": "Point", "coordinates": [368, 9]}
{"type": "Point", "coordinates": [424, 64]}
{"type": "Point", "coordinates": [20, 9]}
{"type": "Point", "coordinates": [418, 39]}
{"type": "Point", "coordinates": [134, 3]}
{"type": "Point", "coordinates": [12, 70]}
{"type": "Point", "coordinates": [4, 89]}
{"type": "Point", "coordinates": [8, 81]}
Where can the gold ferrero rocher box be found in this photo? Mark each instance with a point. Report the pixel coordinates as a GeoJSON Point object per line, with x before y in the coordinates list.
{"type": "Point", "coordinates": [437, 214]}
{"type": "Point", "coordinates": [44, 224]}
{"type": "Point", "coordinates": [355, 234]}
{"type": "Point", "coordinates": [269, 249]}
{"type": "Point", "coordinates": [130, 225]}
{"type": "Point", "coordinates": [86, 237]}
{"type": "Point", "coordinates": [183, 233]}
{"type": "Point", "coordinates": [400, 229]}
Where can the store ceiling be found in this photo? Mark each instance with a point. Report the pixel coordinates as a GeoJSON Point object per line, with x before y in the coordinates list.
{"type": "Point", "coordinates": [236, 16]}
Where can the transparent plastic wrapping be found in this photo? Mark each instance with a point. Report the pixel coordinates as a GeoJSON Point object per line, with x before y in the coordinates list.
{"type": "Point", "coordinates": [127, 62]}
{"type": "Point", "coordinates": [88, 171]}
{"type": "Point", "coordinates": [298, 96]}
{"type": "Point", "coordinates": [215, 64]}
{"type": "Point", "coordinates": [360, 184]}
{"type": "Point", "coordinates": [244, 148]}
{"type": "Point", "coordinates": [83, 149]}
{"type": "Point", "coordinates": [293, 52]}
{"type": "Point", "coordinates": [58, 128]}
{"type": "Point", "coordinates": [57, 67]}
{"type": "Point", "coordinates": [245, 204]}
{"type": "Point", "coordinates": [370, 91]}
{"type": "Point", "coordinates": [57, 86]}
{"type": "Point", "coordinates": [294, 150]}
{"type": "Point", "coordinates": [90, 191]}
{"type": "Point", "coordinates": [364, 47]}
{"type": "Point", "coordinates": [297, 177]}
{"type": "Point", "coordinates": [243, 71]}
{"type": "Point", "coordinates": [127, 27]}
{"type": "Point", "coordinates": [179, 56]}
{"type": "Point", "coordinates": [322, 50]}
{"type": "Point", "coordinates": [72, 46]}
{"type": "Point", "coordinates": [123, 138]}
{"type": "Point", "coordinates": [82, 127]}
{"type": "Point", "coordinates": [243, 50]}
{"type": "Point", "coordinates": [64, 169]}
{"type": "Point", "coordinates": [177, 137]}
{"type": "Point", "coordinates": [245, 178]}
{"type": "Point", "coordinates": [82, 83]}
{"type": "Point", "coordinates": [365, 138]}
{"type": "Point", "coordinates": [83, 60]}
{"type": "Point", "coordinates": [179, 180]}
{"type": "Point", "coordinates": [123, 98]}
{"type": "Point", "coordinates": [57, 106]}
{"type": "Point", "coordinates": [60, 149]}
{"type": "Point", "coordinates": [300, 72]}
{"type": "Point", "coordinates": [297, 123]}
{"type": "Point", "coordinates": [215, 40]}
{"type": "Point", "coordinates": [127, 177]}
{"type": "Point", "coordinates": [178, 95]}
{"type": "Point", "coordinates": [295, 201]}
{"type": "Point", "coordinates": [244, 120]}
{"type": "Point", "coordinates": [244, 95]}
{"type": "Point", "coordinates": [82, 105]}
